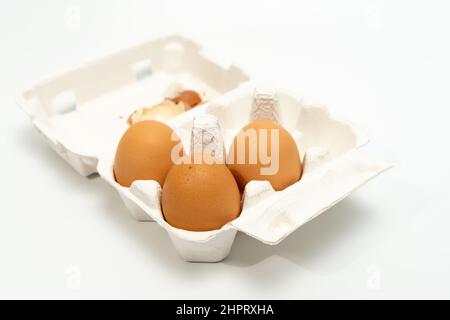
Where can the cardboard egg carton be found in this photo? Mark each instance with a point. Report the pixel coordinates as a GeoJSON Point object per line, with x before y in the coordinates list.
{"type": "Point", "coordinates": [87, 136]}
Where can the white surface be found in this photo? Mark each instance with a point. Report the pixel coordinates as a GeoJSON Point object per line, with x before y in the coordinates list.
{"type": "Point", "coordinates": [384, 65]}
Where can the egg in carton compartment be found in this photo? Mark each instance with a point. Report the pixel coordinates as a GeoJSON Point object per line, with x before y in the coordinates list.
{"type": "Point", "coordinates": [81, 112]}
{"type": "Point", "coordinates": [333, 167]}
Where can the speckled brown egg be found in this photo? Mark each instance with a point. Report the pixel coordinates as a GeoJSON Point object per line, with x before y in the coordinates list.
{"type": "Point", "coordinates": [145, 153]}
{"type": "Point", "coordinates": [189, 97]}
{"type": "Point", "coordinates": [200, 197]}
{"type": "Point", "coordinates": [246, 160]}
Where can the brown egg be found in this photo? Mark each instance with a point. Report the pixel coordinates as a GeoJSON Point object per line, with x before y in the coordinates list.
{"type": "Point", "coordinates": [189, 97]}
{"type": "Point", "coordinates": [144, 153]}
{"type": "Point", "coordinates": [250, 160]}
{"type": "Point", "coordinates": [200, 197]}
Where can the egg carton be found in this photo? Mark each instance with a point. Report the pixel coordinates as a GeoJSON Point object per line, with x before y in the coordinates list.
{"type": "Point", "coordinates": [110, 89]}
{"type": "Point", "coordinates": [333, 166]}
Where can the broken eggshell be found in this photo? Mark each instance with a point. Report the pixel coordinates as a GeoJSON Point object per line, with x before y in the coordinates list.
{"type": "Point", "coordinates": [167, 109]}
{"type": "Point", "coordinates": [190, 98]}
{"type": "Point", "coordinates": [161, 112]}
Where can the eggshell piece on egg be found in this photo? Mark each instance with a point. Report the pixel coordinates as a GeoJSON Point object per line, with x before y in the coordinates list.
{"type": "Point", "coordinates": [253, 155]}
{"type": "Point", "coordinates": [145, 153]}
{"type": "Point", "coordinates": [189, 97]}
{"type": "Point", "coordinates": [200, 197]}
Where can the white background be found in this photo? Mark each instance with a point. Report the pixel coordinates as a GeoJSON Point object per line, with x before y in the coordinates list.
{"type": "Point", "coordinates": [383, 64]}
